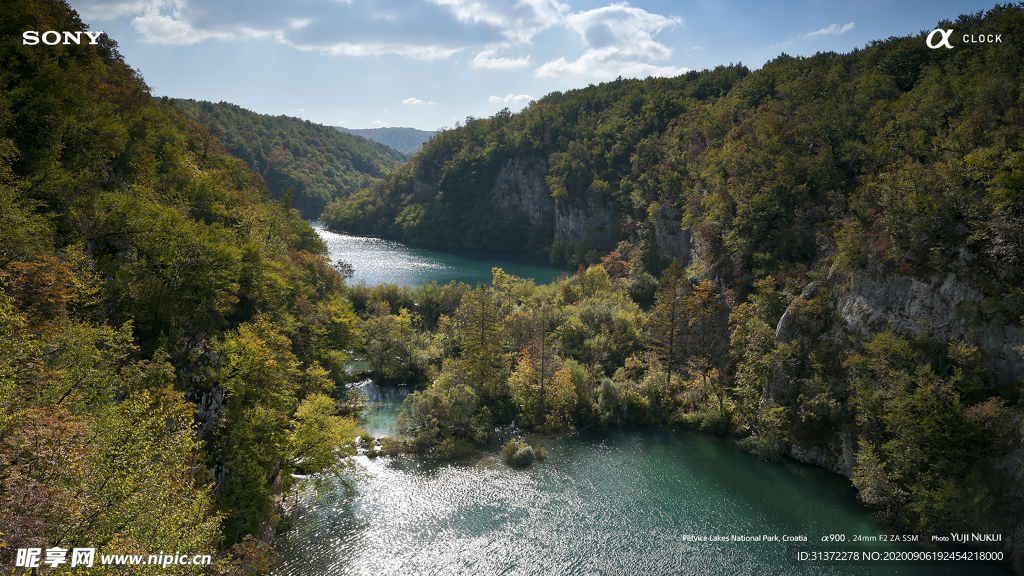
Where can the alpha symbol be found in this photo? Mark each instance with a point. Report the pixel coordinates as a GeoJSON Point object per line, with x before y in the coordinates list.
{"type": "Point", "coordinates": [945, 38]}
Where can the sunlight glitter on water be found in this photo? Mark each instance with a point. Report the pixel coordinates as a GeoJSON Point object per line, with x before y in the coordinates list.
{"type": "Point", "coordinates": [376, 260]}
{"type": "Point", "coordinates": [612, 503]}
{"type": "Point", "coordinates": [618, 503]}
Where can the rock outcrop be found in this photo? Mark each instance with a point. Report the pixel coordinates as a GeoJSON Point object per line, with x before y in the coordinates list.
{"type": "Point", "coordinates": [875, 301]}
{"type": "Point", "coordinates": [520, 190]}
{"type": "Point", "coordinates": [673, 242]}
{"type": "Point", "coordinates": [576, 223]}
{"type": "Point", "coordinates": [870, 301]}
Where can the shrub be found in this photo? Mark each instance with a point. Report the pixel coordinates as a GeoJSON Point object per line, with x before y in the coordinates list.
{"type": "Point", "coordinates": [523, 457]}
{"type": "Point", "coordinates": [760, 448]}
{"type": "Point", "coordinates": [509, 450]}
{"type": "Point", "coordinates": [707, 419]}
{"type": "Point", "coordinates": [392, 447]}
{"type": "Point", "coordinates": [521, 454]}
{"type": "Point", "coordinates": [367, 441]}
{"type": "Point", "coordinates": [451, 448]}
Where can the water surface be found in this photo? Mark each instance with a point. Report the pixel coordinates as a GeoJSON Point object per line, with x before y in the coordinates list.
{"type": "Point", "coordinates": [621, 502]}
{"type": "Point", "coordinates": [376, 260]}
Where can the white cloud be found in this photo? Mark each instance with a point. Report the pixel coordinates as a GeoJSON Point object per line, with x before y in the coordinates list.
{"type": "Point", "coordinates": [158, 29]}
{"type": "Point", "coordinates": [486, 59]}
{"type": "Point", "coordinates": [378, 49]}
{"type": "Point", "coordinates": [518, 21]}
{"type": "Point", "coordinates": [619, 40]}
{"type": "Point", "coordinates": [596, 64]}
{"type": "Point", "coordinates": [415, 102]}
{"type": "Point", "coordinates": [107, 9]}
{"type": "Point", "coordinates": [422, 29]}
{"type": "Point", "coordinates": [380, 123]}
{"type": "Point", "coordinates": [515, 99]}
{"type": "Point", "coordinates": [831, 29]}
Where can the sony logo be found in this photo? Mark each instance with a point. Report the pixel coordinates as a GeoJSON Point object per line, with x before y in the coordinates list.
{"type": "Point", "coordinates": [52, 37]}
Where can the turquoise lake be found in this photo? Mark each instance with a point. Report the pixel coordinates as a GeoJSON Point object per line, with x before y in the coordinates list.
{"type": "Point", "coordinates": [618, 502]}
{"type": "Point", "coordinates": [625, 501]}
{"type": "Point", "coordinates": [376, 261]}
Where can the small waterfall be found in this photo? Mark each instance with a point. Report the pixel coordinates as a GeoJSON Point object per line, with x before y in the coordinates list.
{"type": "Point", "coordinates": [368, 387]}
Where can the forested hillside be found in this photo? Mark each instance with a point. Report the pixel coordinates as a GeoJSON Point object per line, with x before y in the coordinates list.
{"type": "Point", "coordinates": [838, 243]}
{"type": "Point", "coordinates": [832, 247]}
{"type": "Point", "coordinates": [161, 318]}
{"type": "Point", "coordinates": [316, 164]}
{"type": "Point", "coordinates": [912, 148]}
{"type": "Point", "coordinates": [408, 141]}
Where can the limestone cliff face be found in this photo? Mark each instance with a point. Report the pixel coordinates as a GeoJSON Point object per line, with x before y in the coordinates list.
{"type": "Point", "coordinates": [520, 189]}
{"type": "Point", "coordinates": [577, 223]}
{"type": "Point", "coordinates": [870, 301]}
{"type": "Point", "coordinates": [876, 301]}
{"type": "Point", "coordinates": [424, 181]}
{"type": "Point", "coordinates": [673, 242]}
{"type": "Point", "coordinates": [837, 457]}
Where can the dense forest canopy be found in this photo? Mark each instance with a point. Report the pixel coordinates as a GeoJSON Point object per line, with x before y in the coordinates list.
{"type": "Point", "coordinates": [895, 148]}
{"type": "Point", "coordinates": [315, 164]}
{"type": "Point", "coordinates": [173, 340]}
{"type": "Point", "coordinates": [850, 291]}
{"type": "Point", "coordinates": [161, 318]}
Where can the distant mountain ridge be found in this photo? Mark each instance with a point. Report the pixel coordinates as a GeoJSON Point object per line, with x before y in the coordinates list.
{"type": "Point", "coordinates": [408, 141]}
{"type": "Point", "coordinates": [317, 164]}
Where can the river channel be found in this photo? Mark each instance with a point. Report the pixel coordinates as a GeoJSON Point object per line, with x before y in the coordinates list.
{"type": "Point", "coordinates": [625, 501]}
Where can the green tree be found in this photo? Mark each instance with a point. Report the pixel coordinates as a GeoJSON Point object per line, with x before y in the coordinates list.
{"type": "Point", "coordinates": [547, 402]}
{"type": "Point", "coordinates": [391, 344]}
{"type": "Point", "coordinates": [708, 339]}
{"type": "Point", "coordinates": [266, 431]}
{"type": "Point", "coordinates": [482, 352]}
{"type": "Point", "coordinates": [78, 468]}
{"type": "Point", "coordinates": [668, 326]}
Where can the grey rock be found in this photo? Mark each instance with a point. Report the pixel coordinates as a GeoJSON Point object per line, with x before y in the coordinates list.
{"type": "Point", "coordinates": [875, 301]}
{"type": "Point", "coordinates": [673, 242]}
{"type": "Point", "coordinates": [520, 189]}
{"type": "Point", "coordinates": [577, 223]}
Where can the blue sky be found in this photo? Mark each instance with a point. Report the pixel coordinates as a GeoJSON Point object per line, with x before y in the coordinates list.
{"type": "Point", "coordinates": [429, 63]}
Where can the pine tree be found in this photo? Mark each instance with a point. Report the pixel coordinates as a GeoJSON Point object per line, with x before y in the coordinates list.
{"type": "Point", "coordinates": [668, 326]}
{"type": "Point", "coordinates": [708, 337]}
{"type": "Point", "coordinates": [482, 342]}
{"type": "Point", "coordinates": [545, 356]}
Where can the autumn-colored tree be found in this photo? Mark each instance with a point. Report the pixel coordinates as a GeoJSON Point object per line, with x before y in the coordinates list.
{"type": "Point", "coordinates": [708, 339]}
{"type": "Point", "coordinates": [546, 402]}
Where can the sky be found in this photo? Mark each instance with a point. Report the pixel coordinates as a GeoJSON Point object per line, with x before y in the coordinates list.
{"type": "Point", "coordinates": [428, 64]}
